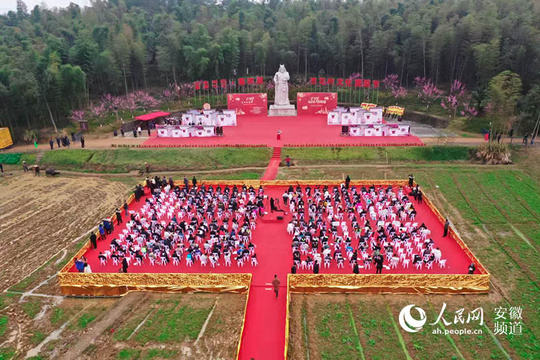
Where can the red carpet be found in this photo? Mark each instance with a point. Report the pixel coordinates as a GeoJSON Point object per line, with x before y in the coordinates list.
{"type": "Point", "coordinates": [273, 166]}
{"type": "Point", "coordinates": [264, 332]}
{"type": "Point", "coordinates": [296, 131]}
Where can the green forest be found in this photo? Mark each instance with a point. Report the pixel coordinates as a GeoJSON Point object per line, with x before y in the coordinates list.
{"type": "Point", "coordinates": [55, 61]}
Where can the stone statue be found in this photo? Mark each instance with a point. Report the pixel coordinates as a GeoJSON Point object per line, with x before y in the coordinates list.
{"type": "Point", "coordinates": [282, 86]}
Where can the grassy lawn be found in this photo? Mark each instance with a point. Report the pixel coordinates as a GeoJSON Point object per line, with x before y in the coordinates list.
{"type": "Point", "coordinates": [496, 211]}
{"type": "Point", "coordinates": [125, 160]}
{"type": "Point", "coordinates": [318, 155]}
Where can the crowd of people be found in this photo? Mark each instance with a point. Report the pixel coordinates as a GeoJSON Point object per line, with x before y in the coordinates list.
{"type": "Point", "coordinates": [192, 224]}
{"type": "Point", "coordinates": [361, 227]}
{"type": "Point", "coordinates": [365, 227]}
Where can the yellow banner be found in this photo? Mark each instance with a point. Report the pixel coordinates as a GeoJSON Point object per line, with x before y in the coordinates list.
{"type": "Point", "coordinates": [395, 110]}
{"type": "Point", "coordinates": [5, 138]}
{"type": "Point", "coordinates": [368, 106]}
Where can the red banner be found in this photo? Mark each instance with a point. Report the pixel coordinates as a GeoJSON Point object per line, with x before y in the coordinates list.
{"type": "Point", "coordinates": [260, 80]}
{"type": "Point", "coordinates": [316, 103]}
{"type": "Point", "coordinates": [367, 83]}
{"type": "Point", "coordinates": [248, 104]}
{"type": "Point", "coordinates": [241, 81]}
{"type": "Point", "coordinates": [223, 83]}
{"type": "Point", "coordinates": [330, 81]}
{"type": "Point", "coordinates": [313, 81]}
{"type": "Point", "coordinates": [251, 81]}
{"type": "Point", "coordinates": [322, 81]}
{"type": "Point", "coordinates": [197, 85]}
{"type": "Point", "coordinates": [348, 82]}
{"type": "Point", "coordinates": [214, 83]}
{"type": "Point", "coordinates": [205, 85]}
{"type": "Point", "coordinates": [357, 83]}
{"type": "Point", "coordinates": [340, 82]}
{"type": "Point", "coordinates": [375, 84]}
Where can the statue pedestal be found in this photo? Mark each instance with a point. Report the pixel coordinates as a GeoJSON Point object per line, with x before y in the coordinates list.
{"type": "Point", "coordinates": [282, 110]}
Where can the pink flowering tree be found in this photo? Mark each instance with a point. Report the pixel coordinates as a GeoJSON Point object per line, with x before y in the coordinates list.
{"type": "Point", "coordinates": [427, 91]}
{"type": "Point", "coordinates": [98, 111]}
{"type": "Point", "coordinates": [399, 92]}
{"type": "Point", "coordinates": [391, 81]}
{"type": "Point", "coordinates": [143, 99]}
{"type": "Point", "coordinates": [77, 115]}
{"type": "Point", "coordinates": [111, 102]}
{"type": "Point", "coordinates": [459, 101]}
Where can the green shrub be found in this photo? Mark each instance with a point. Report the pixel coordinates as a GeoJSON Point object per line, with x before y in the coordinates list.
{"type": "Point", "coordinates": [10, 158]}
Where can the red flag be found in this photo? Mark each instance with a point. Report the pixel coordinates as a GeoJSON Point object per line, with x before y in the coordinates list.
{"type": "Point", "coordinates": [251, 81]}
{"type": "Point", "coordinates": [375, 84]}
{"type": "Point", "coordinates": [205, 85]}
{"type": "Point", "coordinates": [197, 85]}
{"type": "Point", "coordinates": [330, 81]}
{"type": "Point", "coordinates": [322, 81]}
{"type": "Point", "coordinates": [357, 83]}
{"type": "Point", "coordinates": [340, 82]}
{"type": "Point", "coordinates": [348, 82]}
{"type": "Point", "coordinates": [214, 83]}
{"type": "Point", "coordinates": [260, 80]}
{"type": "Point", "coordinates": [367, 83]}
{"type": "Point", "coordinates": [313, 81]}
{"type": "Point", "coordinates": [232, 82]}
{"type": "Point", "coordinates": [241, 81]}
{"type": "Point", "coordinates": [223, 83]}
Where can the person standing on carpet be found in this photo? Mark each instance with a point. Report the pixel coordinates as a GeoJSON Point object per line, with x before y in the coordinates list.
{"type": "Point", "coordinates": [186, 183]}
{"type": "Point", "coordinates": [411, 180]}
{"type": "Point", "coordinates": [347, 182]}
{"type": "Point", "coordinates": [420, 196]}
{"type": "Point", "coordinates": [446, 226]}
{"type": "Point", "coordinates": [118, 216]}
{"type": "Point", "coordinates": [316, 267]}
{"type": "Point", "coordinates": [93, 239]}
{"type": "Point", "coordinates": [276, 283]}
{"type": "Point", "coordinates": [194, 182]}
{"type": "Point", "coordinates": [125, 265]}
{"type": "Point", "coordinates": [379, 261]}
{"type": "Point", "coordinates": [126, 208]}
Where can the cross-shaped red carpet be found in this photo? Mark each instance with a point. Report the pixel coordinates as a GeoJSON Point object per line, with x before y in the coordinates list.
{"type": "Point", "coordinates": [264, 332]}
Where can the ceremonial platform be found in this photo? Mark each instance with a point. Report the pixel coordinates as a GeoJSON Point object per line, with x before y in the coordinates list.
{"type": "Point", "coordinates": [272, 241]}
{"type": "Point", "coordinates": [301, 130]}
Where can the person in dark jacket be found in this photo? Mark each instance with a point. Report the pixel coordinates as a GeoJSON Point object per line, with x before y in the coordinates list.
{"type": "Point", "coordinates": [93, 239]}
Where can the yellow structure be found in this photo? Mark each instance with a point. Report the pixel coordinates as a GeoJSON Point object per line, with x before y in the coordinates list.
{"type": "Point", "coordinates": [5, 138]}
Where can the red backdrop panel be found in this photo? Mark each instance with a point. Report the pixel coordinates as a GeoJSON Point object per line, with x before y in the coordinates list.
{"type": "Point", "coordinates": [316, 103]}
{"type": "Point", "coordinates": [248, 104]}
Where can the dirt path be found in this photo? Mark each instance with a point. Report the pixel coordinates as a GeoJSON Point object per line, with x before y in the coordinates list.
{"type": "Point", "coordinates": [126, 303]}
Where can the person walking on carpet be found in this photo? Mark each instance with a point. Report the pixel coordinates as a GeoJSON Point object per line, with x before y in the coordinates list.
{"type": "Point", "coordinates": [276, 283]}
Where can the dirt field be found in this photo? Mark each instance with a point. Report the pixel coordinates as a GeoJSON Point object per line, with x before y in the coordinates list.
{"type": "Point", "coordinates": [40, 216]}
{"type": "Point", "coordinates": [43, 222]}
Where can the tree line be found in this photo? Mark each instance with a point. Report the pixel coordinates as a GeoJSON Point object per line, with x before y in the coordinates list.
{"type": "Point", "coordinates": [55, 60]}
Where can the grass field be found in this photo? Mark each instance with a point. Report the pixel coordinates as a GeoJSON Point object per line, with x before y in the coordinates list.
{"type": "Point", "coordinates": [318, 155]}
{"type": "Point", "coordinates": [497, 212]}
{"type": "Point", "coordinates": [126, 160]}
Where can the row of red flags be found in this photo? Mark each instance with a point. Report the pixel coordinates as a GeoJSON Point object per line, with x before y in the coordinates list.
{"type": "Point", "coordinates": [345, 82]}
{"type": "Point", "coordinates": [205, 85]}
